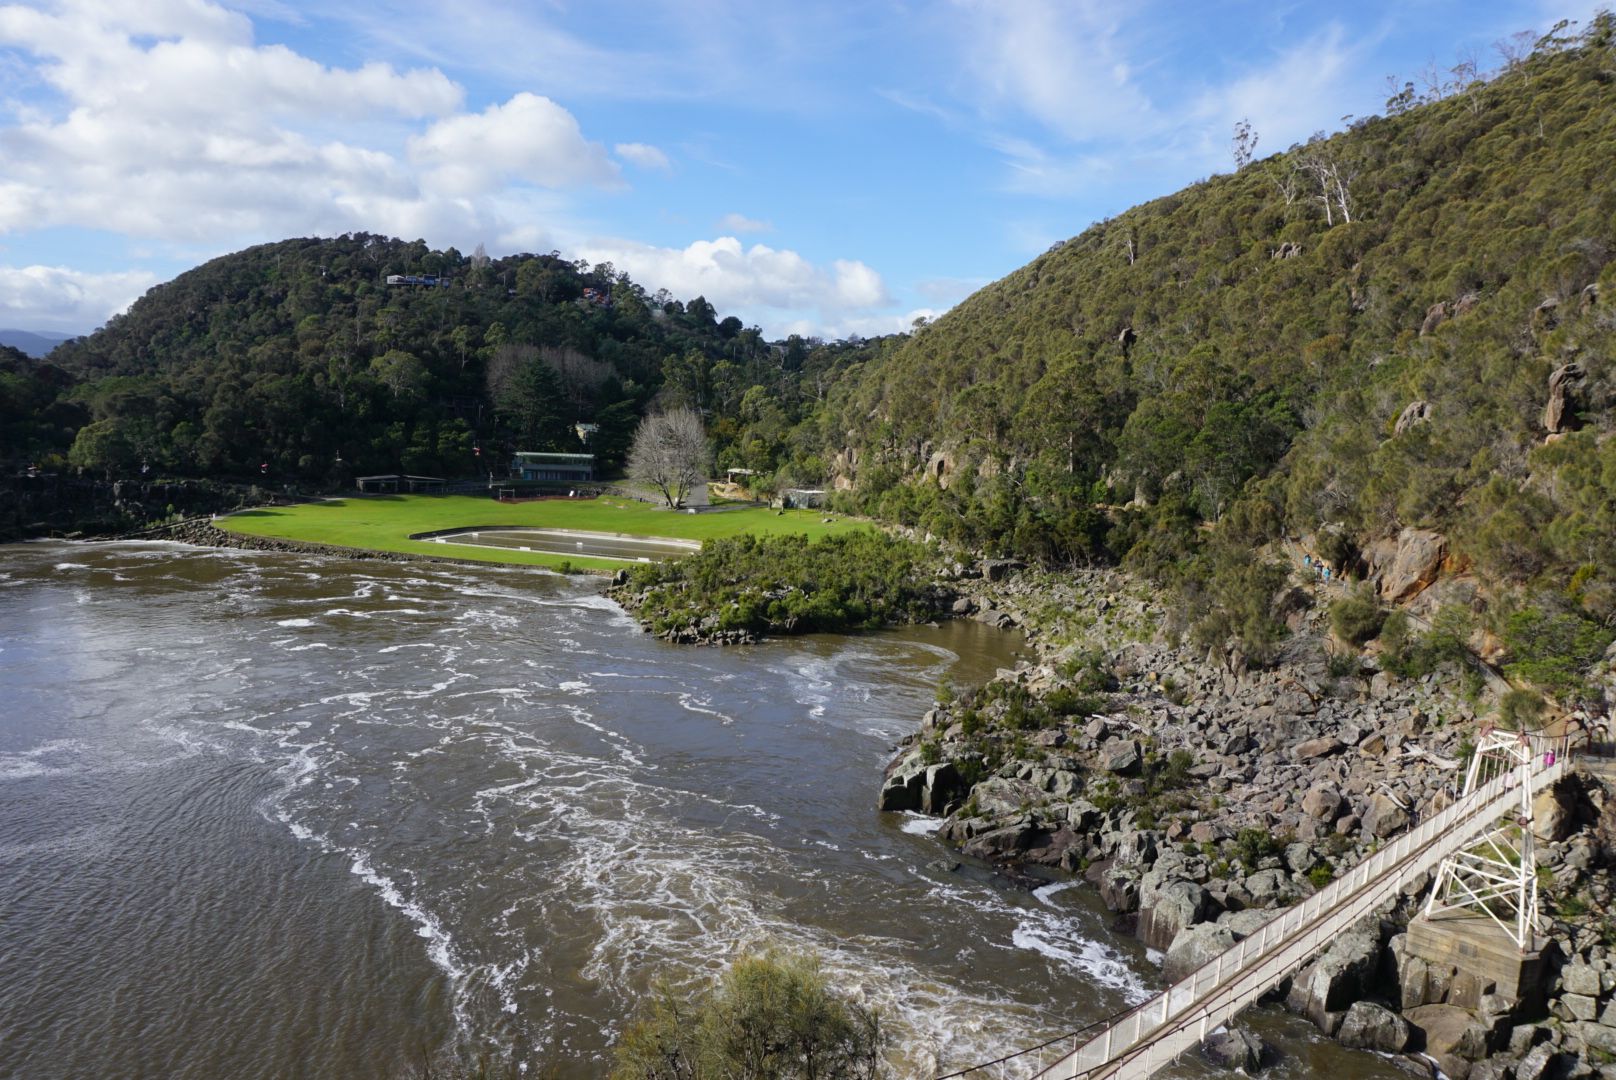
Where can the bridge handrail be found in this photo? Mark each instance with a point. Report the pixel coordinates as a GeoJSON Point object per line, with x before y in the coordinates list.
{"type": "Point", "coordinates": [1316, 920]}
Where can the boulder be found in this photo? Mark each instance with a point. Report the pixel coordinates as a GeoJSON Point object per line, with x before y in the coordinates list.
{"type": "Point", "coordinates": [941, 789]}
{"type": "Point", "coordinates": [1120, 756]}
{"type": "Point", "coordinates": [1119, 889]}
{"type": "Point", "coordinates": [1003, 797]}
{"type": "Point", "coordinates": [1413, 564]}
{"type": "Point", "coordinates": [1234, 1048]}
{"type": "Point", "coordinates": [902, 790]}
{"type": "Point", "coordinates": [1368, 1026]}
{"type": "Point", "coordinates": [1539, 1063]}
{"type": "Point", "coordinates": [1385, 817]}
{"type": "Point", "coordinates": [1559, 412]}
{"type": "Point", "coordinates": [1579, 977]}
{"type": "Point", "coordinates": [1299, 858]}
{"type": "Point", "coordinates": [1449, 1029]}
{"type": "Point", "coordinates": [999, 843]}
{"type": "Point", "coordinates": [1322, 803]}
{"type": "Point", "coordinates": [1492, 1069]}
{"type": "Point", "coordinates": [1552, 819]}
{"type": "Point", "coordinates": [1317, 748]}
{"type": "Point", "coordinates": [1242, 924]}
{"type": "Point", "coordinates": [1268, 887]}
{"type": "Point", "coordinates": [1338, 978]}
{"type": "Point", "coordinates": [1168, 909]}
{"type": "Point", "coordinates": [1415, 412]}
{"type": "Point", "coordinates": [1194, 946]}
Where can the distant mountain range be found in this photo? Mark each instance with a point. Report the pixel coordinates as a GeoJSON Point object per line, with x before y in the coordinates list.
{"type": "Point", "coordinates": [32, 342]}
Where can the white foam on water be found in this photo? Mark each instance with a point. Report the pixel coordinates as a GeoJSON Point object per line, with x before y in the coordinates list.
{"type": "Point", "coordinates": [1044, 892]}
{"type": "Point", "coordinates": [72, 566]}
{"type": "Point", "coordinates": [295, 622]}
{"type": "Point", "coordinates": [575, 686]}
{"type": "Point", "coordinates": [920, 825]}
{"type": "Point", "coordinates": [687, 702]}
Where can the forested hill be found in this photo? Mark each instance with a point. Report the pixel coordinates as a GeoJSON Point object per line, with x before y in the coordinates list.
{"type": "Point", "coordinates": [297, 363]}
{"type": "Point", "coordinates": [1360, 331]}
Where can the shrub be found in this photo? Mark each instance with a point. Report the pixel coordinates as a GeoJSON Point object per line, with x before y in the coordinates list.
{"type": "Point", "coordinates": [1520, 710]}
{"type": "Point", "coordinates": [1320, 876]}
{"type": "Point", "coordinates": [1357, 617]}
{"type": "Point", "coordinates": [770, 1017]}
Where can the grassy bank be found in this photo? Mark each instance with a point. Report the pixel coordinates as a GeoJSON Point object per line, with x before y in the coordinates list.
{"type": "Point", "coordinates": [385, 522]}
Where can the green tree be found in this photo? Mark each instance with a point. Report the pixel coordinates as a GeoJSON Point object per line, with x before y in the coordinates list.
{"type": "Point", "coordinates": [770, 1017]}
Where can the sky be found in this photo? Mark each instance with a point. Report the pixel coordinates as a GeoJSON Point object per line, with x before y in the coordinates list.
{"type": "Point", "coordinates": [826, 169]}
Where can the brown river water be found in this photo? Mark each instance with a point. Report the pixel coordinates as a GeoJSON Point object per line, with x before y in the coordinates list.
{"type": "Point", "coordinates": [276, 816]}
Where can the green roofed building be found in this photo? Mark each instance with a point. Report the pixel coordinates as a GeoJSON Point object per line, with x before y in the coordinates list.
{"type": "Point", "coordinates": [567, 468]}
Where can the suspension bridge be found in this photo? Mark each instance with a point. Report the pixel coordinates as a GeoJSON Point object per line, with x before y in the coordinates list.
{"type": "Point", "coordinates": [1478, 850]}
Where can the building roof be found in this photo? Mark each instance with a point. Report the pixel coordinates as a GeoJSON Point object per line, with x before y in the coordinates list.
{"type": "Point", "coordinates": [544, 456]}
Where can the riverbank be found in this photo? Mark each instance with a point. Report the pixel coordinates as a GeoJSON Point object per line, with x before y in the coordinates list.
{"type": "Point", "coordinates": [1199, 801]}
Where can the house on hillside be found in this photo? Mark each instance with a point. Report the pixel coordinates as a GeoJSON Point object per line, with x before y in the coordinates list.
{"type": "Point", "coordinates": [543, 465]}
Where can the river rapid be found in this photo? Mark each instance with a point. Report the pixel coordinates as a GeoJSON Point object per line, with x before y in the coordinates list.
{"type": "Point", "coordinates": [274, 815]}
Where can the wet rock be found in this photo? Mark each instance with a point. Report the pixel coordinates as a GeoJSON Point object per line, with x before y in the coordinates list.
{"type": "Point", "coordinates": [902, 791]}
{"type": "Point", "coordinates": [1234, 1048]}
{"type": "Point", "coordinates": [941, 789]}
{"type": "Point", "coordinates": [999, 843]}
{"type": "Point", "coordinates": [1368, 1026]}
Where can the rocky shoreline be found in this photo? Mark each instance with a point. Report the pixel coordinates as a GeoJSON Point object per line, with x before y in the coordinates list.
{"type": "Point", "coordinates": [1200, 801]}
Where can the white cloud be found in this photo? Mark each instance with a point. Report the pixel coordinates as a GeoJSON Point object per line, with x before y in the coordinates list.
{"type": "Point", "coordinates": [529, 138]}
{"type": "Point", "coordinates": [56, 298]}
{"type": "Point", "coordinates": [740, 223]}
{"type": "Point", "coordinates": [773, 287]}
{"type": "Point", "coordinates": [644, 155]}
{"type": "Point", "coordinates": [169, 123]}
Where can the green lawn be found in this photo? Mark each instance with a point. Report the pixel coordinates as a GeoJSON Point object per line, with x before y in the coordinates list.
{"type": "Point", "coordinates": [383, 523]}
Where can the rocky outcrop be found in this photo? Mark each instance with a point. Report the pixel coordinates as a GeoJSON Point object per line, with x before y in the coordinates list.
{"type": "Point", "coordinates": [1234, 1048]}
{"type": "Point", "coordinates": [1368, 1026]}
{"type": "Point", "coordinates": [1330, 985]}
{"type": "Point", "coordinates": [1416, 412]}
{"type": "Point", "coordinates": [1559, 414]}
{"type": "Point", "coordinates": [1402, 567]}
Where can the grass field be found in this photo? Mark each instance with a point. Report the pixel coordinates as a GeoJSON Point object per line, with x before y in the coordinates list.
{"type": "Point", "coordinates": [384, 522]}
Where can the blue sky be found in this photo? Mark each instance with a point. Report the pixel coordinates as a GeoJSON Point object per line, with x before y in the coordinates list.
{"type": "Point", "coordinates": [818, 168]}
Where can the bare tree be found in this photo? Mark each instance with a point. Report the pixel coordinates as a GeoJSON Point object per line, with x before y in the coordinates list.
{"type": "Point", "coordinates": [1334, 178]}
{"type": "Point", "coordinates": [1285, 178]}
{"type": "Point", "coordinates": [1243, 145]}
{"type": "Point", "coordinates": [670, 454]}
{"type": "Point", "coordinates": [479, 258]}
{"type": "Point", "coordinates": [579, 374]}
{"type": "Point", "coordinates": [1515, 49]}
{"type": "Point", "coordinates": [503, 366]}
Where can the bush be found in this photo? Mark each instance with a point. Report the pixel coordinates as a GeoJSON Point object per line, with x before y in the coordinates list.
{"type": "Point", "coordinates": [1357, 617]}
{"type": "Point", "coordinates": [770, 1017]}
{"type": "Point", "coordinates": [1520, 710]}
